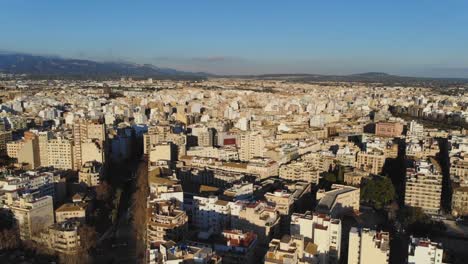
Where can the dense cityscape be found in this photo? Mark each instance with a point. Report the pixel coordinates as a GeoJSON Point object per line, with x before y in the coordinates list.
{"type": "Point", "coordinates": [233, 132]}
{"type": "Point", "coordinates": [229, 170]}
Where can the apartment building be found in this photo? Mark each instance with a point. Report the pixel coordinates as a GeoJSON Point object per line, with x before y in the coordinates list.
{"type": "Point", "coordinates": [388, 129]}
{"type": "Point", "coordinates": [236, 246]}
{"type": "Point", "coordinates": [26, 150]}
{"type": "Point", "coordinates": [91, 173]}
{"type": "Point", "coordinates": [424, 186]}
{"type": "Point", "coordinates": [459, 170]}
{"type": "Point", "coordinates": [368, 246]}
{"type": "Point", "coordinates": [44, 137]}
{"type": "Point", "coordinates": [67, 211]}
{"type": "Point", "coordinates": [62, 237]}
{"type": "Point", "coordinates": [424, 251]}
{"type": "Point", "coordinates": [251, 145]}
{"type": "Point", "coordinates": [166, 222]}
{"type": "Point", "coordinates": [460, 201]}
{"type": "Point", "coordinates": [211, 214]}
{"type": "Point", "coordinates": [371, 162]}
{"type": "Point", "coordinates": [60, 153]}
{"type": "Point", "coordinates": [258, 217]}
{"type": "Point", "coordinates": [323, 231]}
{"type": "Point", "coordinates": [301, 170]}
{"type": "Point", "coordinates": [285, 250]}
{"type": "Point", "coordinates": [32, 214]}
{"type": "Point", "coordinates": [86, 132]}
{"type": "Point", "coordinates": [354, 177]}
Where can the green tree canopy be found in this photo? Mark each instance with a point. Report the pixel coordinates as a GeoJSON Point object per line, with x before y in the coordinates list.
{"type": "Point", "coordinates": [378, 191]}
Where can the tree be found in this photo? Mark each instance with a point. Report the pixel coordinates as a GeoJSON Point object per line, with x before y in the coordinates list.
{"type": "Point", "coordinates": [378, 191]}
{"type": "Point", "coordinates": [140, 210]}
{"type": "Point", "coordinates": [9, 232]}
{"type": "Point", "coordinates": [103, 191]}
{"type": "Point", "coordinates": [88, 240]}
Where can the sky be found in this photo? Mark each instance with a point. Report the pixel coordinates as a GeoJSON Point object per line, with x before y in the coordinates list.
{"type": "Point", "coordinates": [413, 38]}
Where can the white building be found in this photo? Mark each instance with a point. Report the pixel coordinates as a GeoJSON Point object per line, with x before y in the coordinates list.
{"type": "Point", "coordinates": [423, 251]}
{"type": "Point", "coordinates": [324, 231]}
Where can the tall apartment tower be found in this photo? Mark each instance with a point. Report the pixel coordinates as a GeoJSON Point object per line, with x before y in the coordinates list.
{"type": "Point", "coordinates": [424, 186]}
{"type": "Point", "coordinates": [85, 132]}
{"type": "Point", "coordinates": [29, 153]}
{"type": "Point", "coordinates": [251, 145]}
{"type": "Point", "coordinates": [368, 246]}
{"type": "Point", "coordinates": [44, 138]}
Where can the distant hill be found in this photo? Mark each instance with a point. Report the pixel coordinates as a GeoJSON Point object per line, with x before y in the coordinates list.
{"type": "Point", "coordinates": [369, 77]}
{"type": "Point", "coordinates": [15, 63]}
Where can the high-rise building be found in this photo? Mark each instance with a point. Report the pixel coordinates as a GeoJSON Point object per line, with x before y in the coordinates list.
{"type": "Point", "coordinates": [86, 132]}
{"type": "Point", "coordinates": [44, 138]}
{"type": "Point", "coordinates": [60, 153]}
{"type": "Point", "coordinates": [321, 230]}
{"type": "Point", "coordinates": [32, 214]}
{"type": "Point", "coordinates": [424, 186]}
{"type": "Point", "coordinates": [368, 246]}
{"type": "Point", "coordinates": [252, 145]}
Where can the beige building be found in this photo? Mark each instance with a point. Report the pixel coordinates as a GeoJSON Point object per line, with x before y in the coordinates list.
{"type": "Point", "coordinates": [162, 134]}
{"type": "Point", "coordinates": [44, 138]}
{"type": "Point", "coordinates": [388, 129]}
{"type": "Point", "coordinates": [33, 215]}
{"type": "Point", "coordinates": [302, 170]}
{"type": "Point", "coordinates": [341, 199]}
{"type": "Point", "coordinates": [321, 230]}
{"type": "Point", "coordinates": [90, 173]}
{"type": "Point", "coordinates": [424, 186]}
{"type": "Point", "coordinates": [251, 145]}
{"type": "Point", "coordinates": [258, 217]}
{"type": "Point", "coordinates": [459, 170]}
{"type": "Point", "coordinates": [26, 150]}
{"type": "Point", "coordinates": [13, 148]}
{"type": "Point", "coordinates": [62, 237]}
{"type": "Point", "coordinates": [71, 211]}
{"type": "Point", "coordinates": [460, 201]}
{"type": "Point", "coordinates": [92, 151]}
{"type": "Point", "coordinates": [85, 132]}
{"type": "Point", "coordinates": [165, 223]}
{"type": "Point", "coordinates": [60, 153]}
{"type": "Point", "coordinates": [292, 250]}
{"type": "Point", "coordinates": [371, 162]}
{"type": "Point", "coordinates": [354, 177]}
{"type": "Point", "coordinates": [368, 246]}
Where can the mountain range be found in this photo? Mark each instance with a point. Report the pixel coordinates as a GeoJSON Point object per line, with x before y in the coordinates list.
{"type": "Point", "coordinates": [34, 65]}
{"type": "Point", "coordinates": [57, 67]}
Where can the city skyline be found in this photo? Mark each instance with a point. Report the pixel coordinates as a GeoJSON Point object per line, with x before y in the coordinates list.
{"type": "Point", "coordinates": [410, 39]}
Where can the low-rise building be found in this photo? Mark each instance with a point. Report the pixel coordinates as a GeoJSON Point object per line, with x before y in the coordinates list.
{"type": "Point", "coordinates": [341, 199]}
{"type": "Point", "coordinates": [422, 251]}
{"type": "Point", "coordinates": [62, 237]}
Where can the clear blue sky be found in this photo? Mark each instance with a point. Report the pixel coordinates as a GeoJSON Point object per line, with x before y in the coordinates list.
{"type": "Point", "coordinates": [426, 38]}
